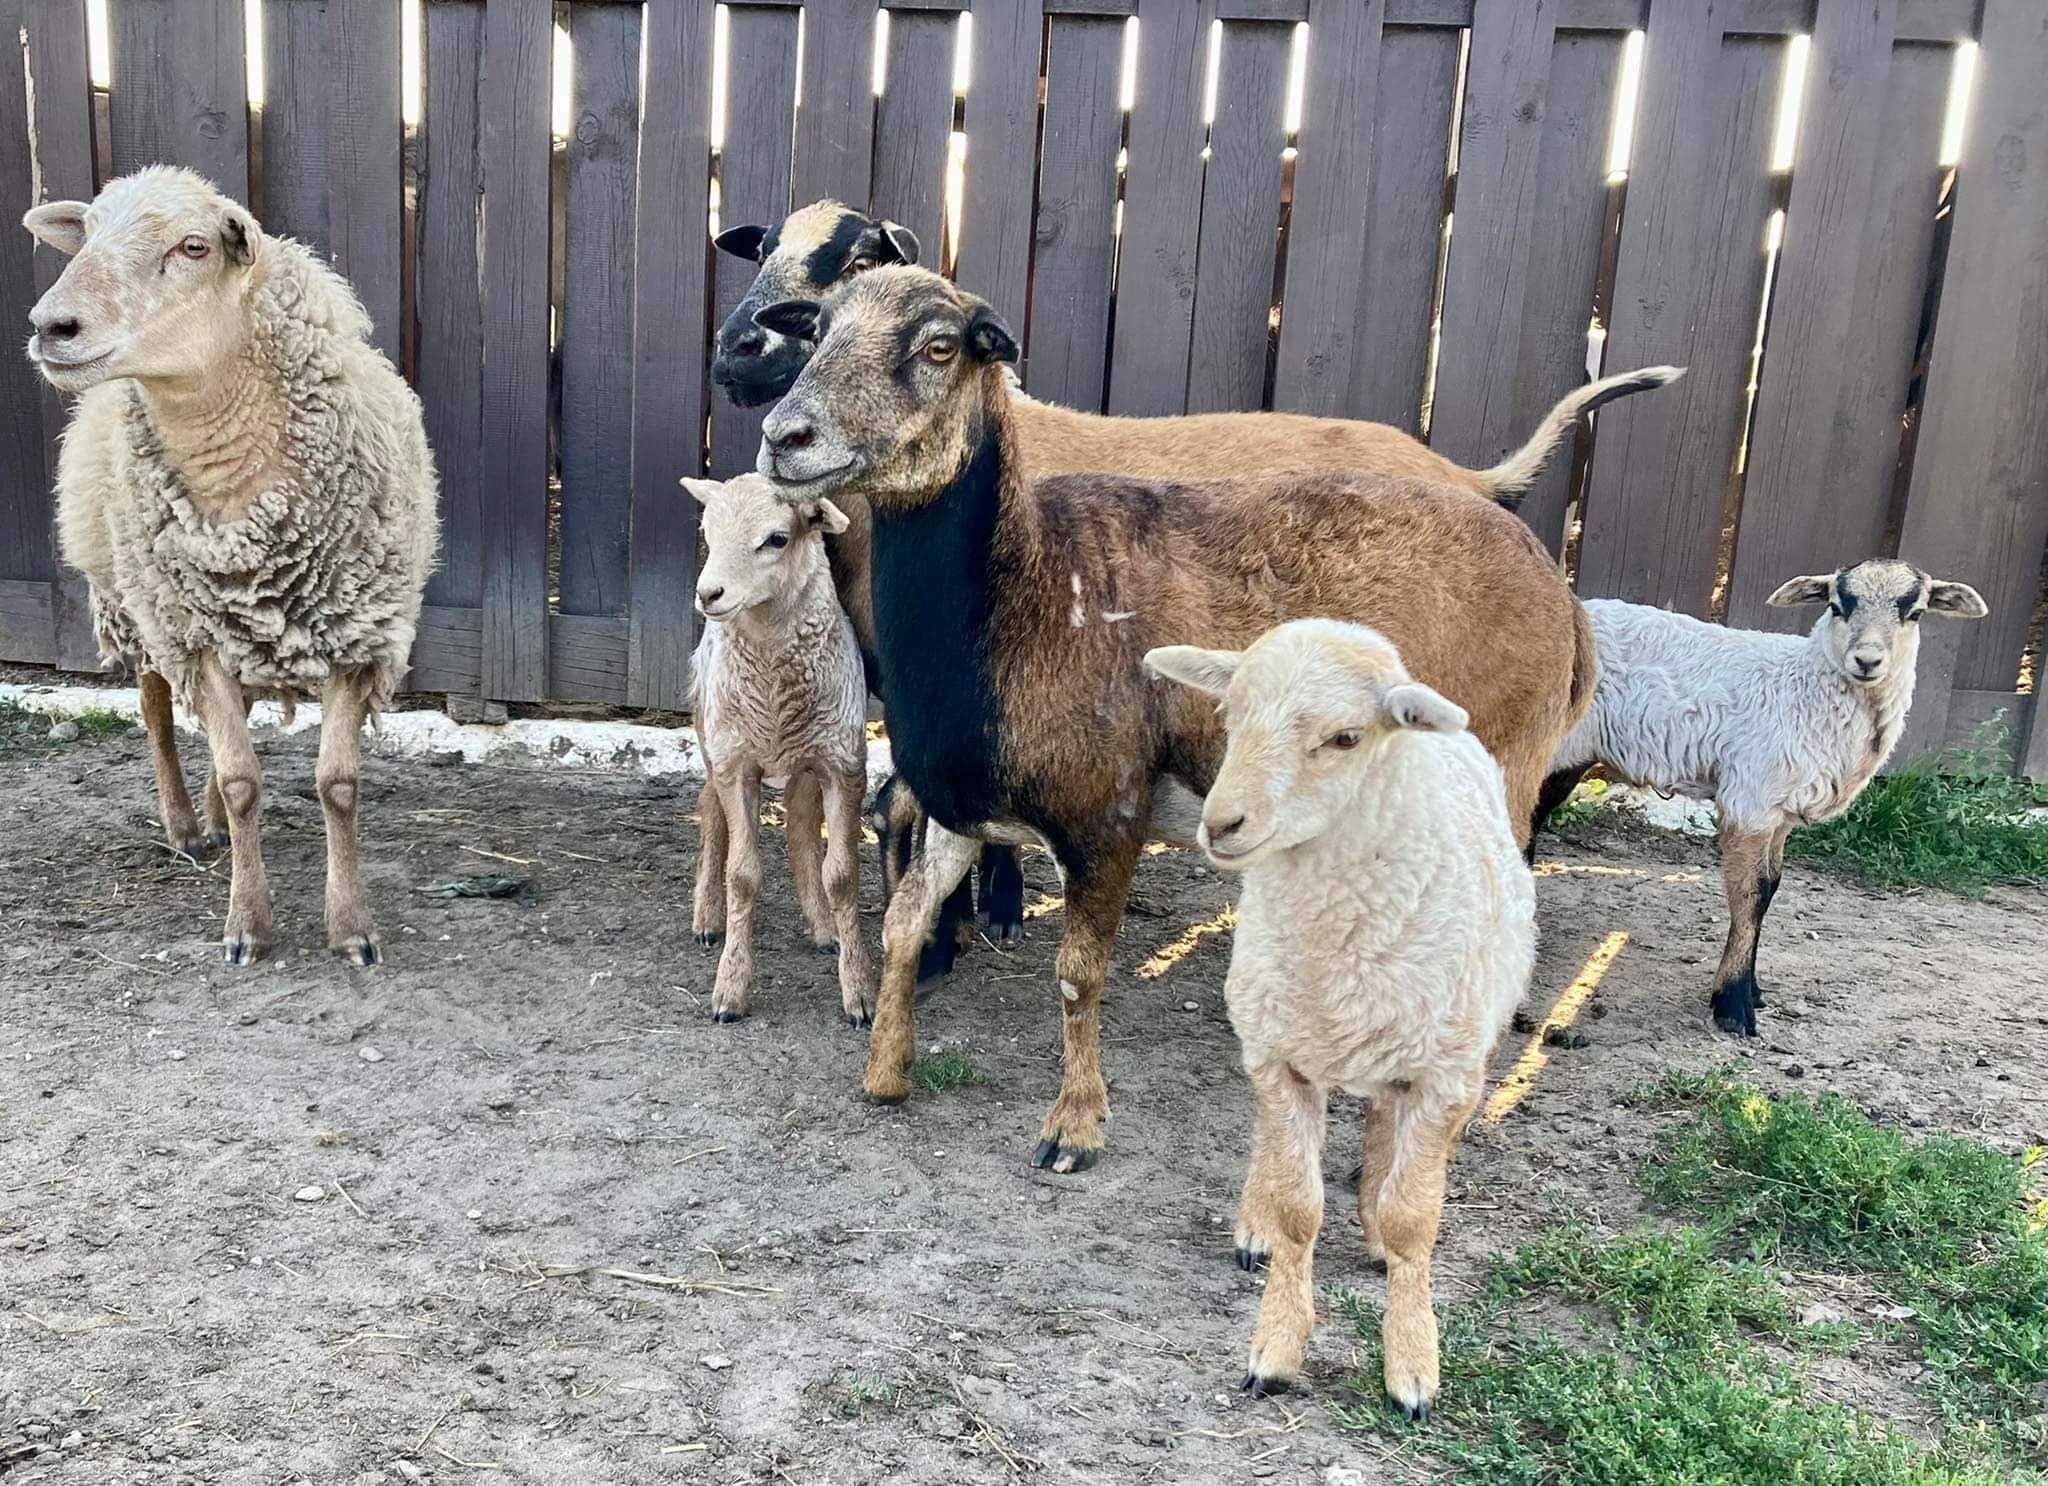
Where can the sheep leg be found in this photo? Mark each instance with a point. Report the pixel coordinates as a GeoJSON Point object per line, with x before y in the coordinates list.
{"type": "Point", "coordinates": [1071, 1138]}
{"type": "Point", "coordinates": [1749, 882]}
{"type": "Point", "coordinates": [803, 805]}
{"type": "Point", "coordinates": [344, 703]}
{"type": "Point", "coordinates": [707, 902]}
{"type": "Point", "coordinates": [1411, 1205]}
{"type": "Point", "coordinates": [1377, 1159]}
{"type": "Point", "coordinates": [1767, 893]}
{"type": "Point", "coordinates": [842, 890]}
{"type": "Point", "coordinates": [240, 780]}
{"type": "Point", "coordinates": [181, 826]}
{"type": "Point", "coordinates": [1281, 1214]}
{"type": "Point", "coordinates": [1002, 894]}
{"type": "Point", "coordinates": [934, 873]}
{"type": "Point", "coordinates": [1557, 788]}
{"type": "Point", "coordinates": [216, 807]}
{"type": "Point", "coordinates": [739, 791]}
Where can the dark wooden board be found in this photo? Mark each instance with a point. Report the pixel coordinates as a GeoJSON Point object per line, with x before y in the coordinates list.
{"type": "Point", "coordinates": [24, 484]}
{"type": "Point", "coordinates": [1002, 156]}
{"type": "Point", "coordinates": [913, 120]}
{"type": "Point", "coordinates": [597, 310]}
{"type": "Point", "coordinates": [1070, 285]}
{"type": "Point", "coordinates": [753, 187]}
{"type": "Point", "coordinates": [835, 121]}
{"type": "Point", "coordinates": [364, 143]}
{"type": "Point", "coordinates": [1326, 288]}
{"type": "Point", "coordinates": [298, 71]}
{"type": "Point", "coordinates": [1240, 220]}
{"type": "Point", "coordinates": [181, 88]}
{"type": "Point", "coordinates": [27, 634]}
{"type": "Point", "coordinates": [671, 283]}
{"type": "Point", "coordinates": [1688, 289]}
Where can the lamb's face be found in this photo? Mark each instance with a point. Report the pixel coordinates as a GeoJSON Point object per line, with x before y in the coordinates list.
{"type": "Point", "coordinates": [894, 393]}
{"type": "Point", "coordinates": [817, 248]}
{"type": "Point", "coordinates": [1309, 708]}
{"type": "Point", "coordinates": [1871, 629]}
{"type": "Point", "coordinates": [760, 550]}
{"type": "Point", "coordinates": [160, 265]}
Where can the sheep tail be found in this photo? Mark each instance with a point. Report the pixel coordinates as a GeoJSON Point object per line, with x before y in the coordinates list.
{"type": "Point", "coordinates": [1585, 667]}
{"type": "Point", "coordinates": [1507, 481]}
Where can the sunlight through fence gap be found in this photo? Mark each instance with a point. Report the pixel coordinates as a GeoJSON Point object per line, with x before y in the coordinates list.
{"type": "Point", "coordinates": [1621, 137]}
{"type": "Point", "coordinates": [1961, 76]}
{"type": "Point", "coordinates": [1791, 95]}
{"type": "Point", "coordinates": [252, 46]}
{"type": "Point", "coordinates": [411, 80]}
{"type": "Point", "coordinates": [879, 66]}
{"type": "Point", "coordinates": [99, 50]}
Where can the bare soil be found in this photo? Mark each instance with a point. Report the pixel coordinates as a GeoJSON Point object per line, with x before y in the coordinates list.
{"type": "Point", "coordinates": [904, 1299]}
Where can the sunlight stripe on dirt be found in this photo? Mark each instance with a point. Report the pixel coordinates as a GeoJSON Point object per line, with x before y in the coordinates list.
{"type": "Point", "coordinates": [1522, 1077]}
{"type": "Point", "coordinates": [1589, 869]}
{"type": "Point", "coordinates": [1169, 955]}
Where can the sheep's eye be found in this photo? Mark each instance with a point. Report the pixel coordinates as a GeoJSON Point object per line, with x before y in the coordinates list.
{"type": "Point", "coordinates": [862, 264]}
{"type": "Point", "coordinates": [775, 541]}
{"type": "Point", "coordinates": [1836, 609]}
{"type": "Point", "coordinates": [195, 248]}
{"type": "Point", "coordinates": [941, 349]}
{"type": "Point", "coordinates": [1346, 739]}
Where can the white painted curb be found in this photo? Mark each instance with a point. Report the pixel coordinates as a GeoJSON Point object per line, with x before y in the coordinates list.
{"type": "Point", "coordinates": [617, 747]}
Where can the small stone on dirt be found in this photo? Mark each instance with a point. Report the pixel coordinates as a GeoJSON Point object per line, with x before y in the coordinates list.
{"type": "Point", "coordinates": [176, 1055]}
{"type": "Point", "coordinates": [64, 732]}
{"type": "Point", "coordinates": [410, 1471]}
{"type": "Point", "coordinates": [1554, 1036]}
{"type": "Point", "coordinates": [1190, 1006]}
{"type": "Point", "coordinates": [370, 1055]}
{"type": "Point", "coordinates": [1343, 1475]}
{"type": "Point", "coordinates": [1525, 1022]}
{"type": "Point", "coordinates": [1819, 1314]}
{"type": "Point", "coordinates": [309, 1194]}
{"type": "Point", "coordinates": [716, 1362]}
{"type": "Point", "coordinates": [1795, 1070]}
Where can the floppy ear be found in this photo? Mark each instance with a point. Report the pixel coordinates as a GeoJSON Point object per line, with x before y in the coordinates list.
{"type": "Point", "coordinates": [898, 245]}
{"type": "Point", "coordinates": [1957, 600]}
{"type": "Point", "coordinates": [742, 242]}
{"type": "Point", "coordinates": [1190, 665]}
{"type": "Point", "coordinates": [703, 490]}
{"type": "Point", "coordinates": [1413, 705]}
{"type": "Point", "coordinates": [795, 318]}
{"type": "Point", "coordinates": [1812, 589]}
{"type": "Point", "coordinates": [240, 235]}
{"type": "Point", "coordinates": [59, 224]}
{"type": "Point", "coordinates": [830, 517]}
{"type": "Point", "coordinates": [988, 339]}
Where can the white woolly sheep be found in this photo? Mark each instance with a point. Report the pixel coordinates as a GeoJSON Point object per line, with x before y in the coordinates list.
{"type": "Point", "coordinates": [246, 483]}
{"type": "Point", "coordinates": [1386, 931]}
{"type": "Point", "coordinates": [1779, 731]}
{"type": "Point", "coordinates": [779, 693]}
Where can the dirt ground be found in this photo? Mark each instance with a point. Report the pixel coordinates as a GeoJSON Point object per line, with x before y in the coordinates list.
{"type": "Point", "coordinates": [535, 1085]}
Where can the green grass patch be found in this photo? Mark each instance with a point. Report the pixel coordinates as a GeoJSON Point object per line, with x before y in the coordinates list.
{"type": "Point", "coordinates": [1958, 821]}
{"type": "Point", "coordinates": [101, 722]}
{"type": "Point", "coordinates": [942, 1073]}
{"type": "Point", "coordinates": [855, 1393]}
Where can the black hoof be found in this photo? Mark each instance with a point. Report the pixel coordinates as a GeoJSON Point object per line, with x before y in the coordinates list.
{"type": "Point", "coordinates": [862, 1022]}
{"type": "Point", "coordinates": [828, 949]}
{"type": "Point", "coordinates": [936, 960]}
{"type": "Point", "coordinates": [887, 1101]}
{"type": "Point", "coordinates": [1735, 1008]}
{"type": "Point", "coordinates": [239, 951]}
{"type": "Point", "coordinates": [725, 1018]}
{"type": "Point", "coordinates": [360, 953]}
{"type": "Point", "coordinates": [707, 938]}
{"type": "Point", "coordinates": [215, 841]}
{"type": "Point", "coordinates": [1251, 1261]}
{"type": "Point", "coordinates": [1756, 997]}
{"type": "Point", "coordinates": [1414, 1413]}
{"type": "Point", "coordinates": [1052, 1156]}
{"type": "Point", "coordinates": [1259, 1387]}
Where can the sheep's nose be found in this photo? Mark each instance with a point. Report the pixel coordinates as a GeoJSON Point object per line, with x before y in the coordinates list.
{"type": "Point", "coordinates": [1223, 830]}
{"type": "Point", "coordinates": [796, 433]}
{"type": "Point", "coordinates": [1866, 666]}
{"type": "Point", "coordinates": [709, 596]}
{"type": "Point", "coordinates": [54, 325]}
{"type": "Point", "coordinates": [749, 342]}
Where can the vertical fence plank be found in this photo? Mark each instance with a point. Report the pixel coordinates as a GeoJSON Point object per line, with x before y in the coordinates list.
{"type": "Point", "coordinates": [366, 136]}
{"type": "Point", "coordinates": [1002, 155]}
{"type": "Point", "coordinates": [1326, 240]}
{"type": "Point", "coordinates": [1155, 290]}
{"type": "Point", "coordinates": [449, 370]}
{"type": "Point", "coordinates": [835, 121]}
{"type": "Point", "coordinates": [25, 554]}
{"type": "Point", "coordinates": [1240, 221]}
{"type": "Point", "coordinates": [913, 120]}
{"type": "Point", "coordinates": [1487, 275]}
{"type": "Point", "coordinates": [298, 69]}
{"type": "Point", "coordinates": [1977, 508]}
{"type": "Point", "coordinates": [1688, 286]}
{"type": "Point", "coordinates": [597, 309]}
{"type": "Point", "coordinates": [669, 337]}
{"type": "Point", "coordinates": [1403, 224]}
{"type": "Point", "coordinates": [1076, 211]}
{"type": "Point", "coordinates": [181, 88]}
{"type": "Point", "coordinates": [1798, 514]}
{"type": "Point", "coordinates": [518, 46]}
{"type": "Point", "coordinates": [753, 186]}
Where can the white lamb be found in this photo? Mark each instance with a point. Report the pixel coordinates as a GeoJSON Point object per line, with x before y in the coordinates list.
{"type": "Point", "coordinates": [246, 483]}
{"type": "Point", "coordinates": [1386, 932]}
{"type": "Point", "coordinates": [779, 694]}
{"type": "Point", "coordinates": [1778, 730]}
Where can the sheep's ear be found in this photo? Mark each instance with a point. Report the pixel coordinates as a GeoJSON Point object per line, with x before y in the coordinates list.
{"type": "Point", "coordinates": [240, 235]}
{"type": "Point", "coordinates": [742, 242]}
{"type": "Point", "coordinates": [59, 224]}
{"type": "Point", "coordinates": [1812, 589]}
{"type": "Point", "coordinates": [988, 339]}
{"type": "Point", "coordinates": [1190, 665]}
{"type": "Point", "coordinates": [1413, 705]}
{"type": "Point", "coordinates": [702, 490]}
{"type": "Point", "coordinates": [1957, 600]}
{"type": "Point", "coordinates": [795, 318]}
{"type": "Point", "coordinates": [898, 244]}
{"type": "Point", "coordinates": [830, 517]}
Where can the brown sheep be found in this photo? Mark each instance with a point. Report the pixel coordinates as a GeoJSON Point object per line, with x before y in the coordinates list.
{"type": "Point", "coordinates": [1012, 614]}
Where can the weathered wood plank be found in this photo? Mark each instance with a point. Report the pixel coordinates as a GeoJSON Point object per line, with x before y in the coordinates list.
{"type": "Point", "coordinates": [1941, 21]}
{"type": "Point", "coordinates": [1800, 513]}
{"type": "Point", "coordinates": [1076, 212]}
{"type": "Point", "coordinates": [449, 371]}
{"type": "Point", "coordinates": [1977, 507]}
{"type": "Point", "coordinates": [587, 653]}
{"type": "Point", "coordinates": [513, 144]}
{"type": "Point", "coordinates": [1326, 286]}
{"type": "Point", "coordinates": [835, 121]}
{"type": "Point", "coordinates": [181, 88]}
{"type": "Point", "coordinates": [298, 70]}
{"type": "Point", "coordinates": [1002, 155]}
{"type": "Point", "coordinates": [1240, 221]}
{"type": "Point", "coordinates": [753, 186]}
{"type": "Point", "coordinates": [597, 312]}
{"type": "Point", "coordinates": [364, 171]}
{"type": "Point", "coordinates": [447, 653]}
{"type": "Point", "coordinates": [24, 484]}
{"type": "Point", "coordinates": [27, 635]}
{"type": "Point", "coordinates": [1688, 286]}
{"type": "Point", "coordinates": [914, 119]}
{"type": "Point", "coordinates": [1403, 224]}
{"type": "Point", "coordinates": [669, 340]}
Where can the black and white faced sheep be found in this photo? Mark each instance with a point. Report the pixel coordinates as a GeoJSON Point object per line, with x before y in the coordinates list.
{"type": "Point", "coordinates": [247, 485]}
{"type": "Point", "coordinates": [1779, 731]}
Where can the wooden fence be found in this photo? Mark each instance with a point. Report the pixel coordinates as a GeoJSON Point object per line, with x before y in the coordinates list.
{"type": "Point", "coordinates": [1428, 248]}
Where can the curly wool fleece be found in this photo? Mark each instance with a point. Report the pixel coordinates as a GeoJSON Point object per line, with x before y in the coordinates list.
{"type": "Point", "coordinates": [323, 572]}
